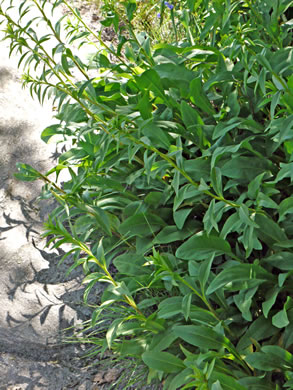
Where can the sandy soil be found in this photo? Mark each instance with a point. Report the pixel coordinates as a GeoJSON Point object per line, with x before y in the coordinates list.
{"type": "Point", "coordinates": [36, 300]}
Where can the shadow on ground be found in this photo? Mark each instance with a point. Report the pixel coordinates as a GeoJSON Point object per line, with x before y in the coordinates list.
{"type": "Point", "coordinates": [37, 303]}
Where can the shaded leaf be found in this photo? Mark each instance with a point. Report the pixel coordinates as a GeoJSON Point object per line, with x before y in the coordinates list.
{"type": "Point", "coordinates": [141, 224]}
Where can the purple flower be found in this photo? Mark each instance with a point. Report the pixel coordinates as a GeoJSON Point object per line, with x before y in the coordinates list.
{"type": "Point", "coordinates": [159, 15]}
{"type": "Point", "coordinates": [170, 6]}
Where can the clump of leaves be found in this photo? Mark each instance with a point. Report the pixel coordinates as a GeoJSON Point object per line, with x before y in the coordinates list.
{"type": "Point", "coordinates": [180, 190]}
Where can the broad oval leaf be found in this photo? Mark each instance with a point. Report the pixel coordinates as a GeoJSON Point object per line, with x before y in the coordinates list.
{"type": "Point", "coordinates": [130, 264]}
{"type": "Point", "coordinates": [263, 361]}
{"type": "Point", "coordinates": [141, 224]}
{"type": "Point", "coordinates": [171, 234]}
{"type": "Point", "coordinates": [244, 168]}
{"type": "Point", "coordinates": [199, 247]}
{"type": "Point", "coordinates": [280, 320]}
{"type": "Point", "coordinates": [198, 168]}
{"type": "Point", "coordinates": [162, 361]}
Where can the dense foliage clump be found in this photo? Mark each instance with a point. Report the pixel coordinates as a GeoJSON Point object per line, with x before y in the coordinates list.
{"type": "Point", "coordinates": [181, 178]}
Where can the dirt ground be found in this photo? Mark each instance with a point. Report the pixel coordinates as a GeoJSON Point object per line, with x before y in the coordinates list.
{"type": "Point", "coordinates": [37, 302]}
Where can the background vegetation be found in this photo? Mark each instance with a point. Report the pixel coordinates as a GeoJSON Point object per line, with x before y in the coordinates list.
{"type": "Point", "coordinates": [181, 178]}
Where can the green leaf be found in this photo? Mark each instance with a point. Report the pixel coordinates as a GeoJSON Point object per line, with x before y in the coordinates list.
{"type": "Point", "coordinates": [216, 386]}
{"type": "Point", "coordinates": [239, 273]}
{"type": "Point", "coordinates": [112, 331]}
{"type": "Point", "coordinates": [264, 62]}
{"type": "Point", "coordinates": [198, 168]}
{"type": "Point", "coordinates": [99, 182]}
{"type": "Point", "coordinates": [245, 217]}
{"type": "Point", "coordinates": [218, 78]}
{"type": "Point", "coordinates": [204, 271]}
{"type": "Point", "coordinates": [150, 80]}
{"type": "Point", "coordinates": [180, 379]}
{"type": "Point", "coordinates": [223, 127]}
{"type": "Point", "coordinates": [233, 103]}
{"type": "Point", "coordinates": [26, 172]}
{"type": "Point", "coordinates": [175, 77]}
{"type": "Point", "coordinates": [285, 357]}
{"type": "Point", "coordinates": [130, 9]}
{"type": "Point", "coordinates": [282, 278]}
{"type": "Point", "coordinates": [260, 329]}
{"type": "Point", "coordinates": [265, 201]}
{"type": "Point", "coordinates": [253, 383]}
{"type": "Point", "coordinates": [162, 340]}
{"type": "Point", "coordinates": [243, 302]}
{"type": "Point", "coordinates": [158, 136]}
{"type": "Point", "coordinates": [286, 207]}
{"type": "Point", "coordinates": [65, 64]}
{"type": "Point", "coordinates": [154, 198]}
{"type": "Point", "coordinates": [199, 247]}
{"type": "Point", "coordinates": [270, 358]}
{"type": "Point", "coordinates": [201, 316]}
{"type": "Point", "coordinates": [271, 297]}
{"type": "Point", "coordinates": [186, 302]}
{"type": "Point", "coordinates": [263, 361]}
{"type": "Point", "coordinates": [254, 186]}
{"type": "Point", "coordinates": [211, 217]}
{"type": "Point", "coordinates": [141, 224]}
{"type": "Point", "coordinates": [199, 98]}
{"type": "Point", "coordinates": [170, 234]}
{"type": "Point", "coordinates": [280, 320]}
{"type": "Point", "coordinates": [162, 361]}
{"type": "Point", "coordinates": [269, 231]}
{"type": "Point", "coordinates": [190, 116]}
{"type": "Point", "coordinates": [180, 217]}
{"type": "Point", "coordinates": [232, 224]}
{"type": "Point", "coordinates": [130, 348]}
{"type": "Point", "coordinates": [72, 113]}
{"type": "Point", "coordinates": [96, 276]}
{"type": "Point", "coordinates": [227, 382]}
{"type": "Point", "coordinates": [49, 133]}
{"type": "Point", "coordinates": [170, 307]}
{"type": "Point", "coordinates": [144, 106]}
{"type": "Point", "coordinates": [100, 216]}
{"type": "Point", "coordinates": [216, 179]}
{"type": "Point", "coordinates": [131, 264]}
{"type": "Point", "coordinates": [202, 337]}
{"type": "Point", "coordinates": [285, 171]}
{"type": "Point", "coordinates": [244, 168]}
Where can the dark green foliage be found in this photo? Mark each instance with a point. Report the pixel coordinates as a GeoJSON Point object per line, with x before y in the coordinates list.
{"type": "Point", "coordinates": [181, 182]}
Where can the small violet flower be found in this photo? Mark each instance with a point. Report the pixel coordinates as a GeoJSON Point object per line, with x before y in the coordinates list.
{"type": "Point", "coordinates": [170, 6]}
{"type": "Point", "coordinates": [159, 15]}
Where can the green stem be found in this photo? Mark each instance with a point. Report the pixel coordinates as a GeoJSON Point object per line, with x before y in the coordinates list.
{"type": "Point", "coordinates": [127, 298]}
{"type": "Point", "coordinates": [173, 24]}
{"type": "Point", "coordinates": [58, 38]}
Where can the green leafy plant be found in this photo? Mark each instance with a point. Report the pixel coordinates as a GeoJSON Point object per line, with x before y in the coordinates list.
{"type": "Point", "coordinates": [180, 191]}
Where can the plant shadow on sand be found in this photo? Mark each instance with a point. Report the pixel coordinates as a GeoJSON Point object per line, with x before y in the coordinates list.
{"type": "Point", "coordinates": [37, 304]}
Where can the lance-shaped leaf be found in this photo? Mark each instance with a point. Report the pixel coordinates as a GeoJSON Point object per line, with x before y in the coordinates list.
{"type": "Point", "coordinates": [201, 336]}
{"type": "Point", "coordinates": [26, 172]}
{"type": "Point", "coordinates": [239, 273]}
{"type": "Point", "coordinates": [162, 361]}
